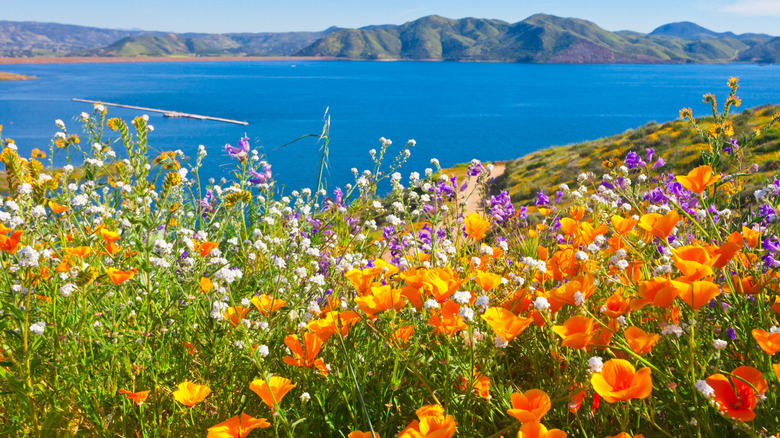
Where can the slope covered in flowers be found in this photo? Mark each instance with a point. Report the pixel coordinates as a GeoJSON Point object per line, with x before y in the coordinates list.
{"type": "Point", "coordinates": [150, 303]}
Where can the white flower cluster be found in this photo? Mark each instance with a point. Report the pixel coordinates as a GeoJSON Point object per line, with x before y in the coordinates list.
{"type": "Point", "coordinates": [672, 329]}
{"type": "Point", "coordinates": [28, 257]}
{"type": "Point", "coordinates": [595, 364]}
{"type": "Point", "coordinates": [705, 389]}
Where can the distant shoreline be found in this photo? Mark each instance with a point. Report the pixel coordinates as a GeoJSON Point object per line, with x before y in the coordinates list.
{"type": "Point", "coordinates": [97, 59]}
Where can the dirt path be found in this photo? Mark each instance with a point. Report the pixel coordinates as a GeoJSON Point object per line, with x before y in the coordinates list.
{"type": "Point", "coordinates": [473, 195]}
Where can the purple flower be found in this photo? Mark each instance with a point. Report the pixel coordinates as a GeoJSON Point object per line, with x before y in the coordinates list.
{"type": "Point", "coordinates": [731, 334]}
{"type": "Point", "coordinates": [659, 163]}
{"type": "Point", "coordinates": [241, 152]}
{"type": "Point", "coordinates": [542, 199]}
{"type": "Point", "coordinates": [650, 154]}
{"type": "Point", "coordinates": [633, 160]}
{"type": "Point", "coordinates": [260, 177]}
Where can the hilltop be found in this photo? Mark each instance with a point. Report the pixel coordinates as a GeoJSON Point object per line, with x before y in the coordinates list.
{"type": "Point", "coordinates": [676, 142]}
{"type": "Point", "coordinates": [539, 38]}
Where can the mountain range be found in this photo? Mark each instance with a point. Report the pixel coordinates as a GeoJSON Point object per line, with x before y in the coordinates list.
{"type": "Point", "coordinates": [539, 39]}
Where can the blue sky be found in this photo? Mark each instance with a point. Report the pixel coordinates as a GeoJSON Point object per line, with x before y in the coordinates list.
{"type": "Point", "coordinates": [221, 16]}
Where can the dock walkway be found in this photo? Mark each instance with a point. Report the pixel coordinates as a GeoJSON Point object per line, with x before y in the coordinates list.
{"type": "Point", "coordinates": [171, 114]}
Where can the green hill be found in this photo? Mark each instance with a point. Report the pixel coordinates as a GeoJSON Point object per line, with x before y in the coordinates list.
{"type": "Point", "coordinates": [676, 142]}
{"type": "Point", "coordinates": [539, 38]}
{"type": "Point", "coordinates": [767, 52]}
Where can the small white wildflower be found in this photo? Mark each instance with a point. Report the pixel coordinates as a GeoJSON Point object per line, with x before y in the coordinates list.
{"type": "Point", "coordinates": [579, 298]}
{"type": "Point", "coordinates": [262, 350]}
{"type": "Point", "coordinates": [705, 389]}
{"type": "Point", "coordinates": [541, 304]}
{"type": "Point", "coordinates": [719, 344]}
{"type": "Point", "coordinates": [305, 397]}
{"type": "Point", "coordinates": [595, 364]}
{"type": "Point", "coordinates": [431, 304]}
{"type": "Point", "coordinates": [672, 329]}
{"type": "Point", "coordinates": [467, 314]}
{"type": "Point", "coordinates": [38, 328]}
{"type": "Point", "coordinates": [462, 297]}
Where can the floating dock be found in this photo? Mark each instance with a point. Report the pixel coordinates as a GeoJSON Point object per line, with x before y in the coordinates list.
{"type": "Point", "coordinates": [170, 114]}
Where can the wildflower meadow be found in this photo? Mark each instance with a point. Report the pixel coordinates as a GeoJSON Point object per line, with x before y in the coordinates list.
{"type": "Point", "coordinates": [138, 300]}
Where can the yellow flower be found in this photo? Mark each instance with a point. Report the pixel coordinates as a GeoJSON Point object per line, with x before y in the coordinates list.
{"type": "Point", "coordinates": [189, 394]}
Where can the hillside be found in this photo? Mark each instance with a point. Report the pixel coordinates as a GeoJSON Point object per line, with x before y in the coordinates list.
{"type": "Point", "coordinates": [30, 39]}
{"type": "Point", "coordinates": [676, 142]}
{"type": "Point", "coordinates": [539, 38]}
{"type": "Point", "coordinates": [768, 52]}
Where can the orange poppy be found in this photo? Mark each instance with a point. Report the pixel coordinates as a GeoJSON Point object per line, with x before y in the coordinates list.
{"type": "Point", "coordinates": [305, 356]}
{"type": "Point", "coordinates": [234, 315]}
{"type": "Point", "coordinates": [616, 306]}
{"type": "Point", "coordinates": [109, 236]}
{"type": "Point", "coordinates": [271, 391]}
{"type": "Point", "coordinates": [266, 304]}
{"type": "Point", "coordinates": [659, 226]}
{"type": "Point", "coordinates": [137, 397]}
{"type": "Point", "coordinates": [751, 236]}
{"type": "Point", "coordinates": [441, 283]}
{"type": "Point", "coordinates": [776, 369]}
{"type": "Point", "coordinates": [584, 284]}
{"type": "Point", "coordinates": [205, 284]}
{"type": "Point", "coordinates": [698, 179]}
{"type": "Point", "coordinates": [237, 427]}
{"type": "Point", "coordinates": [699, 293]}
{"type": "Point", "coordinates": [728, 250]}
{"type": "Point", "coordinates": [189, 394]}
{"type": "Point", "coordinates": [577, 331]}
{"type": "Point", "coordinates": [205, 248]}
{"type": "Point", "coordinates": [448, 320]}
{"type": "Point", "coordinates": [362, 279]}
{"type": "Point", "coordinates": [659, 292]}
{"type": "Point", "coordinates": [623, 225]}
{"type": "Point", "coordinates": [619, 381]}
{"type": "Point", "coordinates": [626, 435]}
{"type": "Point", "coordinates": [538, 430]}
{"type": "Point", "coordinates": [476, 226]}
{"type": "Point", "coordinates": [568, 226]}
{"type": "Point", "coordinates": [481, 384]}
{"type": "Point", "coordinates": [403, 334]}
{"type": "Point", "coordinates": [432, 424]}
{"type": "Point", "coordinates": [333, 322]}
{"type": "Point", "coordinates": [381, 298]}
{"type": "Point", "coordinates": [10, 244]}
{"type": "Point", "coordinates": [577, 212]}
{"type": "Point", "coordinates": [118, 277]}
{"type": "Point", "coordinates": [769, 342]}
{"type": "Point", "coordinates": [529, 406]}
{"type": "Point", "coordinates": [487, 280]}
{"type": "Point", "coordinates": [639, 341]}
{"type": "Point", "coordinates": [80, 252]}
{"type": "Point", "coordinates": [694, 262]}
{"type": "Point", "coordinates": [745, 285]}
{"type": "Point", "coordinates": [359, 434]}
{"type": "Point", "coordinates": [737, 398]}
{"type": "Point", "coordinates": [504, 323]}
{"type": "Point", "coordinates": [112, 248]}
{"type": "Point", "coordinates": [57, 208]}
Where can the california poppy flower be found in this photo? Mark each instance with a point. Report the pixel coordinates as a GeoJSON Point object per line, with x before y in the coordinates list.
{"type": "Point", "coordinates": [80, 252]}
{"type": "Point", "coordinates": [623, 225]}
{"type": "Point", "coordinates": [487, 280]}
{"type": "Point", "coordinates": [189, 394]}
{"type": "Point", "coordinates": [362, 279]}
{"type": "Point", "coordinates": [751, 237]}
{"type": "Point", "coordinates": [205, 284]}
{"type": "Point", "coordinates": [698, 179]}
{"type": "Point", "coordinates": [380, 299]}
{"type": "Point", "coordinates": [776, 369]}
{"type": "Point", "coordinates": [569, 226]}
{"type": "Point", "coordinates": [659, 226]}
{"type": "Point", "coordinates": [476, 226]}
{"type": "Point", "coordinates": [305, 356]}
{"type": "Point", "coordinates": [538, 430]}
{"type": "Point", "coordinates": [441, 283]}
{"type": "Point", "coordinates": [745, 285]}
{"type": "Point", "coordinates": [10, 244]}
{"type": "Point", "coordinates": [769, 342]}
{"type": "Point", "coordinates": [694, 262]}
{"type": "Point", "coordinates": [736, 397]}
{"type": "Point", "coordinates": [334, 322]}
{"type": "Point", "coordinates": [432, 424]}
{"type": "Point", "coordinates": [626, 435]}
{"type": "Point", "coordinates": [360, 434]}
{"type": "Point", "coordinates": [616, 306]}
{"type": "Point", "coordinates": [109, 236]}
{"type": "Point", "coordinates": [619, 381]}
{"type": "Point", "coordinates": [584, 284]}
{"type": "Point", "coordinates": [57, 208]}
{"type": "Point", "coordinates": [481, 384]}
{"type": "Point", "coordinates": [504, 323]}
{"type": "Point", "coordinates": [118, 276]}
{"type": "Point", "coordinates": [266, 304]}
{"type": "Point", "coordinates": [700, 293]}
{"type": "Point", "coordinates": [447, 320]}
{"type": "Point", "coordinates": [577, 331]}
{"type": "Point", "coordinates": [271, 391]}
{"type": "Point", "coordinates": [234, 315]}
{"type": "Point", "coordinates": [137, 397]}
{"type": "Point", "coordinates": [529, 406]}
{"type": "Point", "coordinates": [658, 291]}
{"type": "Point", "coordinates": [639, 341]}
{"type": "Point", "coordinates": [237, 427]}
{"type": "Point", "coordinates": [403, 334]}
{"type": "Point", "coordinates": [727, 250]}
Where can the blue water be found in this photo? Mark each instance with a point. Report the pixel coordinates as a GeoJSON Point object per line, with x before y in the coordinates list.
{"type": "Point", "coordinates": [455, 111]}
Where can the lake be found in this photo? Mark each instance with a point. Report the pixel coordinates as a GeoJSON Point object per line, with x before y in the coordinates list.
{"type": "Point", "coordinates": [454, 111]}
